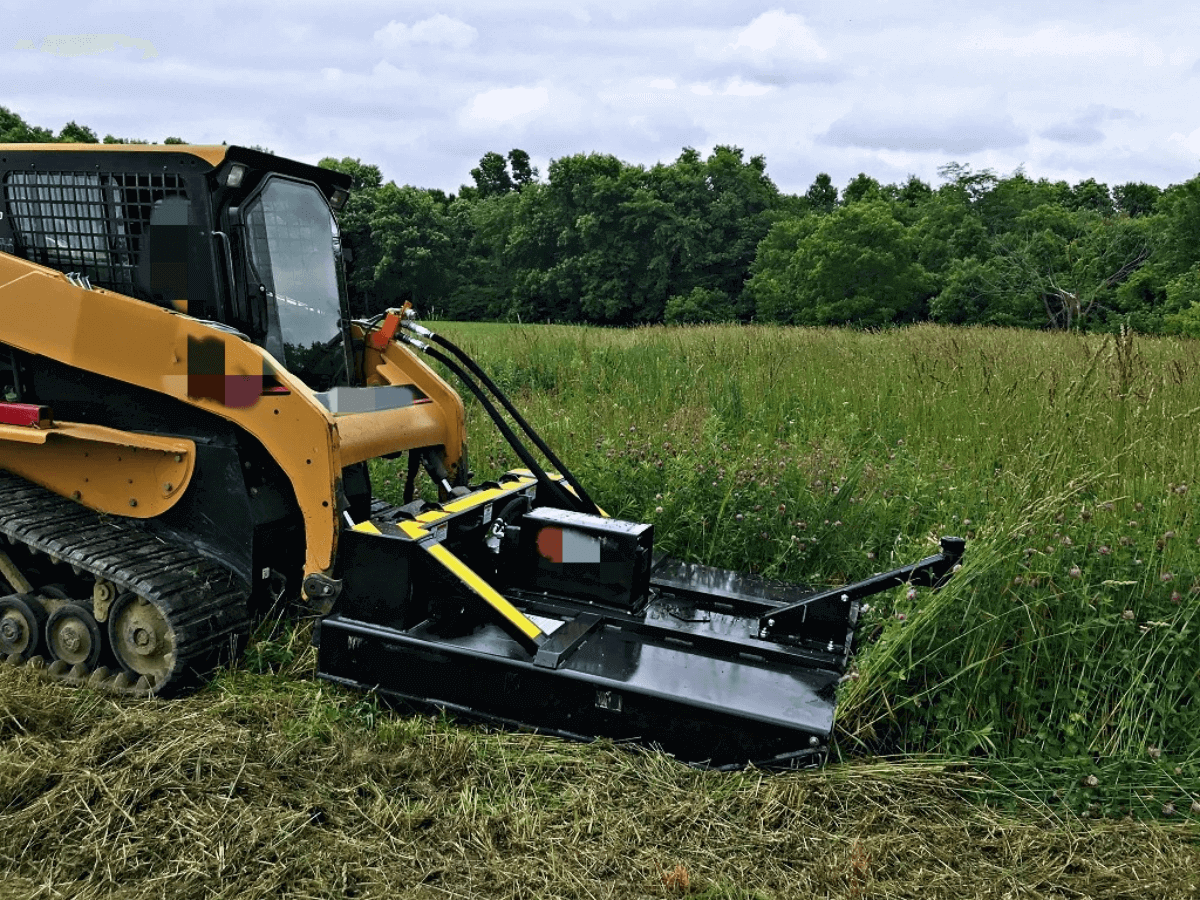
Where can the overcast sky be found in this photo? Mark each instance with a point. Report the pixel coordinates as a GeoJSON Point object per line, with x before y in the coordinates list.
{"type": "Point", "coordinates": [1066, 90]}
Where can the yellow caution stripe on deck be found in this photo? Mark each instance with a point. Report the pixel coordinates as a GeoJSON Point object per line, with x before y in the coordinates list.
{"type": "Point", "coordinates": [512, 620]}
{"type": "Point", "coordinates": [516, 623]}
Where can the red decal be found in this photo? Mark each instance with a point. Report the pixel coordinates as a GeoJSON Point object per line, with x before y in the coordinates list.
{"type": "Point", "coordinates": [550, 544]}
{"type": "Point", "coordinates": [24, 414]}
{"type": "Point", "coordinates": [243, 391]}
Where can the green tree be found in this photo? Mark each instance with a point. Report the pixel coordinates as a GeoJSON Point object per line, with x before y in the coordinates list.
{"type": "Point", "coordinates": [416, 248]}
{"type": "Point", "coordinates": [946, 227]}
{"type": "Point", "coordinates": [857, 266]}
{"type": "Point", "coordinates": [491, 176]}
{"type": "Point", "coordinates": [73, 133]}
{"type": "Point", "coordinates": [1057, 268]}
{"type": "Point", "coordinates": [969, 294]}
{"type": "Point", "coordinates": [1158, 293]}
{"type": "Point", "coordinates": [15, 130]}
{"type": "Point", "coordinates": [730, 210]}
{"type": "Point", "coordinates": [1005, 200]}
{"type": "Point", "coordinates": [523, 173]}
{"type": "Point", "coordinates": [771, 283]}
{"type": "Point", "coordinates": [962, 180]}
{"type": "Point", "coordinates": [861, 187]}
{"type": "Point", "coordinates": [1183, 294]}
{"type": "Point", "coordinates": [495, 175]}
{"type": "Point", "coordinates": [822, 195]}
{"type": "Point", "coordinates": [1092, 195]}
{"type": "Point", "coordinates": [914, 194]}
{"type": "Point", "coordinates": [1179, 207]}
{"type": "Point", "coordinates": [1136, 198]}
{"type": "Point", "coordinates": [487, 265]}
{"type": "Point", "coordinates": [699, 306]}
{"type": "Point", "coordinates": [609, 242]}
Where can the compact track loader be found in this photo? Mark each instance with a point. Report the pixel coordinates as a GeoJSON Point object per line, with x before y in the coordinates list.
{"type": "Point", "coordinates": [186, 417]}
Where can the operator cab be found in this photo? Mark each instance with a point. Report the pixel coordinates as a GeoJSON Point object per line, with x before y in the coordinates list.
{"type": "Point", "coordinates": [237, 237]}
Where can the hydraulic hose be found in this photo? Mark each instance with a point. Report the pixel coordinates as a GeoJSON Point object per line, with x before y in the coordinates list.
{"type": "Point", "coordinates": [589, 505]}
{"type": "Point", "coordinates": [563, 499]}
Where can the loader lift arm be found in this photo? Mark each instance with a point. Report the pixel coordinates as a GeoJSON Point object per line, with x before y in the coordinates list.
{"type": "Point", "coordinates": [388, 329]}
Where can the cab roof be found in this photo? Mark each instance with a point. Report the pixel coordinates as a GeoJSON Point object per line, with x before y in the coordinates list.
{"type": "Point", "coordinates": [213, 154]}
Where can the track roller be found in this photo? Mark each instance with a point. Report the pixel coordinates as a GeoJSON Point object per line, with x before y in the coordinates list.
{"type": "Point", "coordinates": [73, 637]}
{"type": "Point", "coordinates": [22, 621]}
{"type": "Point", "coordinates": [142, 639]}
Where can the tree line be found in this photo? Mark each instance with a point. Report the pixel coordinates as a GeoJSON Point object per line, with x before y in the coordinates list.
{"type": "Point", "coordinates": [706, 239]}
{"type": "Point", "coordinates": [711, 238]}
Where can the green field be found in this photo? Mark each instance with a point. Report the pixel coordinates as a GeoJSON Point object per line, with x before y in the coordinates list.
{"type": "Point", "coordinates": [1070, 638]}
{"type": "Point", "coordinates": [1024, 714]}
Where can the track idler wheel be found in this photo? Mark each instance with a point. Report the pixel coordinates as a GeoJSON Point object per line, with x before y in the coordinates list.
{"type": "Point", "coordinates": [142, 639]}
{"type": "Point", "coordinates": [74, 637]}
{"type": "Point", "coordinates": [22, 622]}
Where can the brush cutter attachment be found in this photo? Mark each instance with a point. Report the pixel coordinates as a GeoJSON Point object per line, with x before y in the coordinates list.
{"type": "Point", "coordinates": [519, 603]}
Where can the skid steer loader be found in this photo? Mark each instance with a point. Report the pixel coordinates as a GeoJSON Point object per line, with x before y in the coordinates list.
{"type": "Point", "coordinates": [187, 414]}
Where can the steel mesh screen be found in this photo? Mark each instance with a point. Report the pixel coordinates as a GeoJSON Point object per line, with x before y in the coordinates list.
{"type": "Point", "coordinates": [87, 222]}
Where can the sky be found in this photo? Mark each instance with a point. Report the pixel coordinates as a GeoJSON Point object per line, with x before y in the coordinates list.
{"type": "Point", "coordinates": [1061, 90]}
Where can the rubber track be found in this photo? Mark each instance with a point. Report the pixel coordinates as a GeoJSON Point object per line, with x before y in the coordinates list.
{"type": "Point", "coordinates": [204, 602]}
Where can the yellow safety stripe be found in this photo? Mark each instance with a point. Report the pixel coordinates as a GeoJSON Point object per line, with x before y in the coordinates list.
{"type": "Point", "coordinates": [472, 500]}
{"type": "Point", "coordinates": [489, 594]}
{"type": "Point", "coordinates": [413, 530]}
{"type": "Point", "coordinates": [467, 576]}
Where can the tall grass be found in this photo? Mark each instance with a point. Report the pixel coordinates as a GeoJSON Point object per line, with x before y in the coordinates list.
{"type": "Point", "coordinates": [1069, 643]}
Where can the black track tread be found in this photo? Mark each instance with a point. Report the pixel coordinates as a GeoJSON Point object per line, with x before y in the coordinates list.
{"type": "Point", "coordinates": [205, 603]}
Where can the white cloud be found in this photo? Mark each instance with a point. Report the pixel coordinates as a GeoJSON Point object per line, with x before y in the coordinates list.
{"type": "Point", "coordinates": [780, 33]}
{"type": "Point", "coordinates": [385, 72]}
{"type": "Point", "coordinates": [1189, 143]}
{"type": "Point", "coordinates": [622, 82]}
{"type": "Point", "coordinates": [776, 48]}
{"type": "Point", "coordinates": [957, 127]}
{"type": "Point", "coordinates": [1084, 129]}
{"type": "Point", "coordinates": [437, 30]}
{"type": "Point", "coordinates": [1062, 40]}
{"type": "Point", "coordinates": [738, 87]}
{"type": "Point", "coordinates": [1077, 131]}
{"type": "Point", "coordinates": [504, 104]}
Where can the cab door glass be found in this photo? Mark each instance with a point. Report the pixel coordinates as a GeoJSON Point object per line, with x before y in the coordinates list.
{"type": "Point", "coordinates": [291, 236]}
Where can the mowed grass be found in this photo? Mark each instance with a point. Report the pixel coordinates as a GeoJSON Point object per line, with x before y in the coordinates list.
{"type": "Point", "coordinates": [1027, 711]}
{"type": "Point", "coordinates": [278, 786]}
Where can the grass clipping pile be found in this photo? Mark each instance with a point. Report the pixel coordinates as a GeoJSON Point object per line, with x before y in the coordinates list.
{"type": "Point", "coordinates": [278, 786]}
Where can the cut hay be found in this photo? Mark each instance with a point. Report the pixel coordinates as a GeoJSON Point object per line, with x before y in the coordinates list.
{"type": "Point", "coordinates": [273, 786]}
